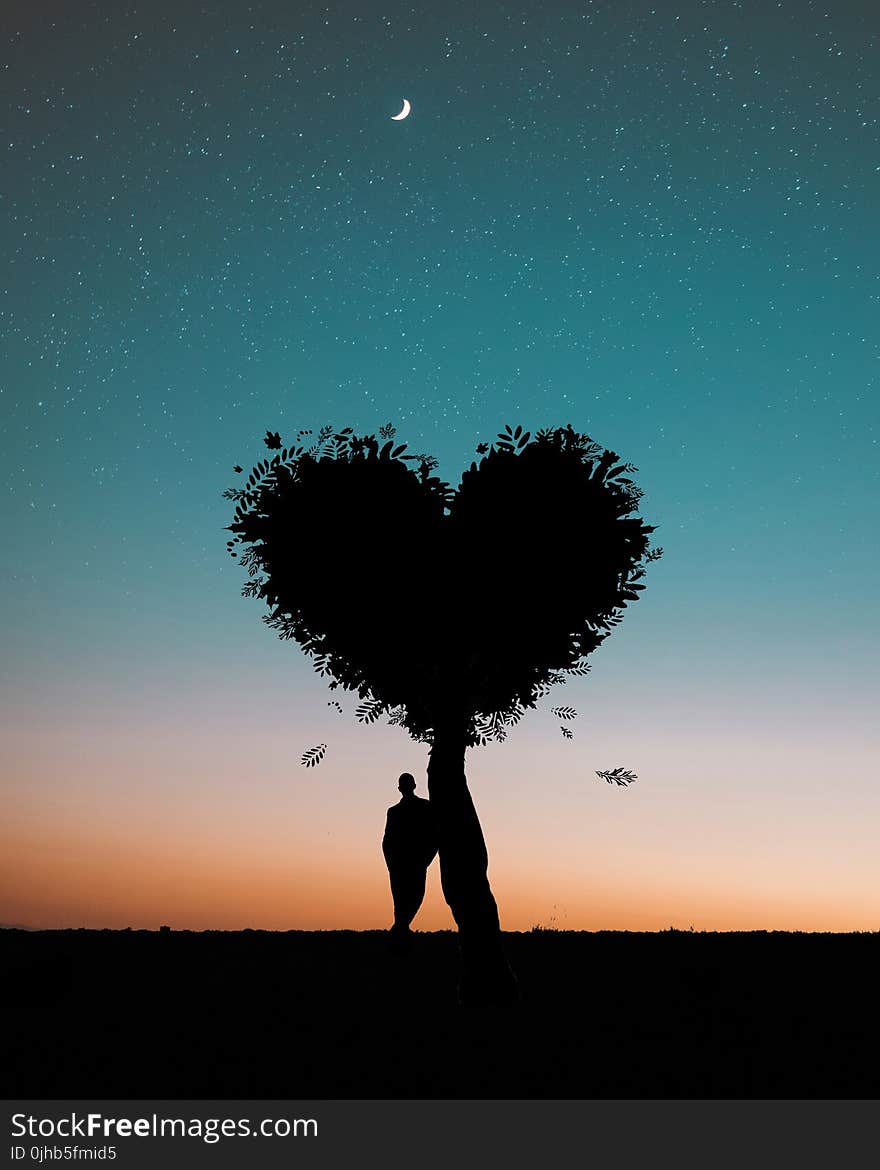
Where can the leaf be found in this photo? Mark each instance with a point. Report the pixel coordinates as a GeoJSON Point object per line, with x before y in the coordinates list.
{"type": "Point", "coordinates": [313, 756]}
{"type": "Point", "coordinates": [564, 712]}
{"type": "Point", "coordinates": [566, 732]}
{"type": "Point", "coordinates": [369, 711]}
{"type": "Point", "coordinates": [620, 776]}
{"type": "Point", "coordinates": [273, 440]}
{"type": "Point", "coordinates": [580, 668]}
{"type": "Point", "coordinates": [238, 470]}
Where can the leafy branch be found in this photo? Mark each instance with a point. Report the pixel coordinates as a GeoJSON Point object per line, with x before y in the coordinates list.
{"type": "Point", "coordinates": [619, 776]}
{"type": "Point", "coordinates": [313, 756]}
{"type": "Point", "coordinates": [370, 710]}
{"type": "Point", "coordinates": [564, 712]}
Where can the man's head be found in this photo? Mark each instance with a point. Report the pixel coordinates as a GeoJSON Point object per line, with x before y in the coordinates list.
{"type": "Point", "coordinates": [406, 784]}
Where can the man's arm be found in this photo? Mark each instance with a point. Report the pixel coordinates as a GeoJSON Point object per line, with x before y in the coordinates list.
{"type": "Point", "coordinates": [388, 839]}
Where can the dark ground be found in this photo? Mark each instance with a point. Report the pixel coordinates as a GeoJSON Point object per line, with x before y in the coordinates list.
{"type": "Point", "coordinates": [138, 1014]}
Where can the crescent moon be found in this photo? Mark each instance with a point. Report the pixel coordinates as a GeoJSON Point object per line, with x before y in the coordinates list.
{"type": "Point", "coordinates": [403, 113]}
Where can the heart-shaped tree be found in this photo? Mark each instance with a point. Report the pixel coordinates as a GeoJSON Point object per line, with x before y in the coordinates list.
{"type": "Point", "coordinates": [449, 611]}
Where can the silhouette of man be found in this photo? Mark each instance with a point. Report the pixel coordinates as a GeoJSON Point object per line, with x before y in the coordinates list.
{"type": "Point", "coordinates": [409, 845]}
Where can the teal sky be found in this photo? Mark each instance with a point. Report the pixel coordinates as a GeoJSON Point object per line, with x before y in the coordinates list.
{"type": "Point", "coordinates": [655, 221]}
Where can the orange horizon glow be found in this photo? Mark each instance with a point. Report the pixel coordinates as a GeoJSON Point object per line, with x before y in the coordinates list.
{"type": "Point", "coordinates": [200, 818]}
{"type": "Point", "coordinates": [58, 882]}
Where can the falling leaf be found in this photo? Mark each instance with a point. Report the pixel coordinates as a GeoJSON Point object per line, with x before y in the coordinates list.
{"type": "Point", "coordinates": [620, 776]}
{"type": "Point", "coordinates": [564, 712]}
{"type": "Point", "coordinates": [313, 756]}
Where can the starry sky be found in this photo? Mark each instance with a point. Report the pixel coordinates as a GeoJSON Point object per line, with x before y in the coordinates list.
{"type": "Point", "coordinates": [657, 222]}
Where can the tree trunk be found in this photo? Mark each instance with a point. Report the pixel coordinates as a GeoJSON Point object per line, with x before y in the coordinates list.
{"type": "Point", "coordinates": [485, 974]}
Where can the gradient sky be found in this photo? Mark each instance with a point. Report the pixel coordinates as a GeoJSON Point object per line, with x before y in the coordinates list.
{"type": "Point", "coordinates": [656, 221]}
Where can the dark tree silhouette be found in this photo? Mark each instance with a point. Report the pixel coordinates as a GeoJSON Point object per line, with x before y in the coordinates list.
{"type": "Point", "coordinates": [448, 612]}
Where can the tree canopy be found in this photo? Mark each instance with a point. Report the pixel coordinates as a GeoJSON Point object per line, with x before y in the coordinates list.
{"type": "Point", "coordinates": [437, 604]}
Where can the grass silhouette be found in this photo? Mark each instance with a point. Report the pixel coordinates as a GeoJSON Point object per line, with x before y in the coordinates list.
{"type": "Point", "coordinates": [253, 1014]}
